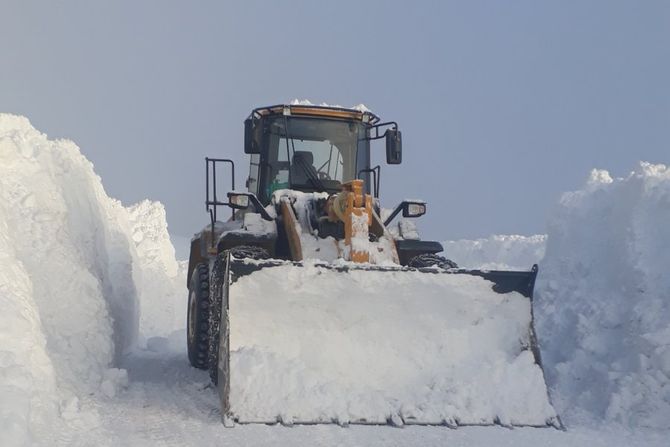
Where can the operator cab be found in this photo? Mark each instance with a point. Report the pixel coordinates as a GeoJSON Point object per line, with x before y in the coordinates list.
{"type": "Point", "coordinates": [312, 148]}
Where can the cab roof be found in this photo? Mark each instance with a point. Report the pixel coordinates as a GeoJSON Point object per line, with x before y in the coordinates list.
{"type": "Point", "coordinates": [318, 111]}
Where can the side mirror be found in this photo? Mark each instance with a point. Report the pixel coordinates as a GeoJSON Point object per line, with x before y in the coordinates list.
{"type": "Point", "coordinates": [251, 145]}
{"type": "Point", "coordinates": [413, 209]}
{"type": "Point", "coordinates": [393, 147]}
{"type": "Point", "coordinates": [238, 201]}
{"type": "Point", "coordinates": [243, 200]}
{"type": "Point", "coordinates": [409, 209]}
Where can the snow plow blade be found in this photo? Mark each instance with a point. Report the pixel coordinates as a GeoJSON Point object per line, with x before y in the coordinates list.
{"type": "Point", "coordinates": [310, 343]}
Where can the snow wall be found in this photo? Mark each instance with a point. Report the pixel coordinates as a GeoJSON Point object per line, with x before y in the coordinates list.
{"type": "Point", "coordinates": [603, 300]}
{"type": "Point", "coordinates": [78, 275]}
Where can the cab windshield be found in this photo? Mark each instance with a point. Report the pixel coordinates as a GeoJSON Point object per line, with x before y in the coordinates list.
{"type": "Point", "coordinates": [314, 154]}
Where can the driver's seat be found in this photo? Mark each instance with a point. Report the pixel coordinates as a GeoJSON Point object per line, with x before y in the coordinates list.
{"type": "Point", "coordinates": [302, 169]}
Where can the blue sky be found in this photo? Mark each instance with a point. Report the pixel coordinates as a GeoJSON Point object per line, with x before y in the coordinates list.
{"type": "Point", "coordinates": [503, 104]}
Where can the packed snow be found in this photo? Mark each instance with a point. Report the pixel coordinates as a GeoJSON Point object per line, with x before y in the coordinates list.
{"type": "Point", "coordinates": [92, 343]}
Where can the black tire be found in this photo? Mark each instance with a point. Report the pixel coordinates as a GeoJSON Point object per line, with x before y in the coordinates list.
{"type": "Point", "coordinates": [197, 320]}
{"type": "Point", "coordinates": [249, 252]}
{"type": "Point", "coordinates": [432, 260]}
{"type": "Point", "coordinates": [219, 289]}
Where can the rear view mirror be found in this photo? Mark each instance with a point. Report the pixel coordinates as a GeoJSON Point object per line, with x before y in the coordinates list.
{"type": "Point", "coordinates": [251, 145]}
{"type": "Point", "coordinates": [409, 209]}
{"type": "Point", "coordinates": [393, 147]}
{"type": "Point", "coordinates": [238, 201]}
{"type": "Point", "coordinates": [413, 209]}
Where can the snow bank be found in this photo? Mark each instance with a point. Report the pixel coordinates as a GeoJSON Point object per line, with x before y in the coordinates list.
{"type": "Point", "coordinates": [312, 344]}
{"type": "Point", "coordinates": [162, 287]}
{"type": "Point", "coordinates": [73, 266]}
{"type": "Point", "coordinates": [603, 300]}
{"type": "Point", "coordinates": [498, 252]}
{"type": "Point", "coordinates": [27, 380]}
{"type": "Point", "coordinates": [67, 261]}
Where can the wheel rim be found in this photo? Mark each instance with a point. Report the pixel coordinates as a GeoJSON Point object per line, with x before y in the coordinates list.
{"type": "Point", "coordinates": [191, 316]}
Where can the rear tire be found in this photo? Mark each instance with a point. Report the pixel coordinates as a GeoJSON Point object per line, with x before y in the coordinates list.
{"type": "Point", "coordinates": [197, 320]}
{"type": "Point", "coordinates": [432, 260]}
{"type": "Point", "coordinates": [219, 291]}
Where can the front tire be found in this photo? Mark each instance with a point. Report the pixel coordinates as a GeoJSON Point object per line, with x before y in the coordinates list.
{"type": "Point", "coordinates": [218, 317]}
{"type": "Point", "coordinates": [219, 291]}
{"type": "Point", "coordinates": [197, 320]}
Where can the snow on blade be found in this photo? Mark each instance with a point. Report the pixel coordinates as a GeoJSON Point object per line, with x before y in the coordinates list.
{"type": "Point", "coordinates": [312, 344]}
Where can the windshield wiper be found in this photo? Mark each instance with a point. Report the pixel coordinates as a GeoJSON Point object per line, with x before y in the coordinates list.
{"type": "Point", "coordinates": [314, 179]}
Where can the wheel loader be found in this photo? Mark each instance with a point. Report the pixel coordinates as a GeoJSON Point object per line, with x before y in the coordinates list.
{"type": "Point", "coordinates": [311, 303]}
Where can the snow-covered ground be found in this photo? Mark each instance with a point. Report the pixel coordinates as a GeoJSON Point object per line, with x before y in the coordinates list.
{"type": "Point", "coordinates": [92, 343]}
{"type": "Point", "coordinates": [168, 403]}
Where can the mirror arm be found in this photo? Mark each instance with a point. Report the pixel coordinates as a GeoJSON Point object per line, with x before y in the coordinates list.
{"type": "Point", "coordinates": [395, 212]}
{"type": "Point", "coordinates": [376, 128]}
{"type": "Point", "coordinates": [259, 207]}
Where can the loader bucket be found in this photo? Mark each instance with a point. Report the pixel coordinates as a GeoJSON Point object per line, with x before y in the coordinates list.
{"type": "Point", "coordinates": [314, 343]}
